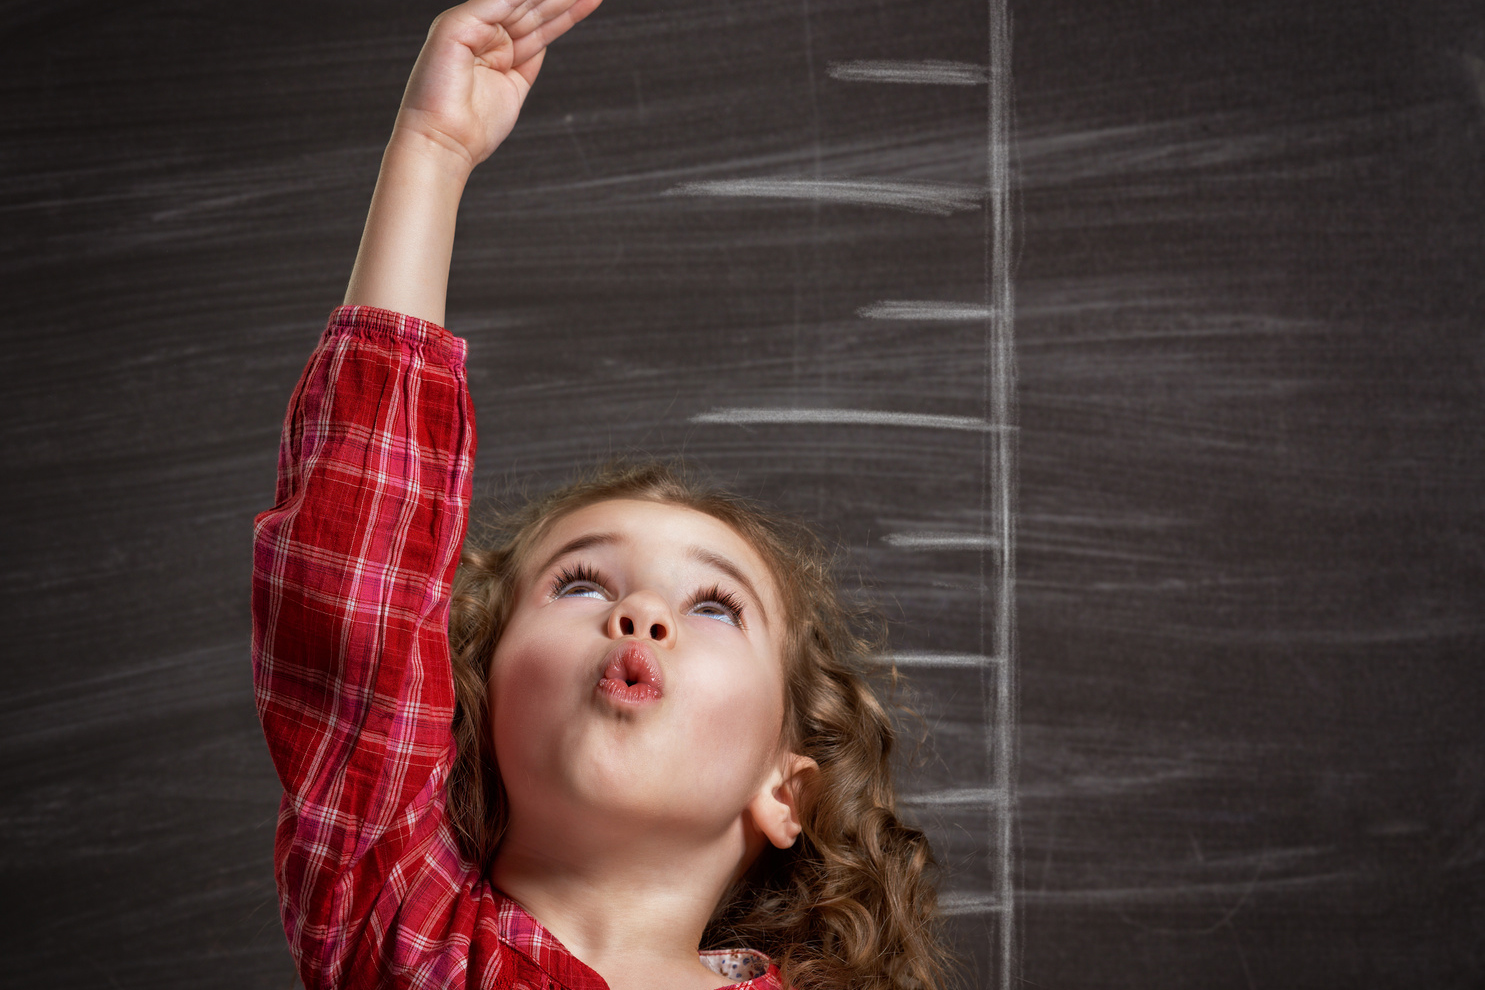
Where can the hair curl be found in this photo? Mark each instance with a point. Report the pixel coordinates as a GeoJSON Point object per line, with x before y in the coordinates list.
{"type": "Point", "coordinates": [852, 903]}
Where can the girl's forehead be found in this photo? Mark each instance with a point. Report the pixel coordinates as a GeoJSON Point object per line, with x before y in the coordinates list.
{"type": "Point", "coordinates": [634, 525]}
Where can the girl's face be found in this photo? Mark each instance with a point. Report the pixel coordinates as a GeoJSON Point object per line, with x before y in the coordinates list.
{"type": "Point", "coordinates": [639, 681]}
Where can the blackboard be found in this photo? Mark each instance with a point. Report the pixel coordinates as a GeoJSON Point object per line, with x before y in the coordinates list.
{"type": "Point", "coordinates": [1243, 241]}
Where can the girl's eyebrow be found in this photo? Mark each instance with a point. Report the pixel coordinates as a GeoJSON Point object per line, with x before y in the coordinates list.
{"type": "Point", "coordinates": [713, 559]}
{"type": "Point", "coordinates": [581, 543]}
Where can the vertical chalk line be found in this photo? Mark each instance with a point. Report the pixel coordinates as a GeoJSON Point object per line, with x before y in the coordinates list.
{"type": "Point", "coordinates": [998, 485]}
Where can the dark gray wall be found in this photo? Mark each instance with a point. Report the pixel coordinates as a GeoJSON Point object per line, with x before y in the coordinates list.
{"type": "Point", "coordinates": [1249, 331]}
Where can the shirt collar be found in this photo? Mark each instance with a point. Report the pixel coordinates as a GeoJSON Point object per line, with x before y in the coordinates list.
{"type": "Point", "coordinates": [523, 933]}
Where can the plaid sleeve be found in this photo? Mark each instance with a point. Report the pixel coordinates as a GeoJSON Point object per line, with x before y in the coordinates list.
{"type": "Point", "coordinates": [351, 575]}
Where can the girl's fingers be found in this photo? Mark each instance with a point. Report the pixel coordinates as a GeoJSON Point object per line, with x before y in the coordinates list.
{"type": "Point", "coordinates": [479, 62]}
{"type": "Point", "coordinates": [531, 24]}
{"type": "Point", "coordinates": [563, 15]}
{"type": "Point", "coordinates": [519, 17]}
{"type": "Point", "coordinates": [491, 45]}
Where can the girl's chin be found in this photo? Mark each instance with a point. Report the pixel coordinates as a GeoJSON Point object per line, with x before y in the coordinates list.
{"type": "Point", "coordinates": [615, 793]}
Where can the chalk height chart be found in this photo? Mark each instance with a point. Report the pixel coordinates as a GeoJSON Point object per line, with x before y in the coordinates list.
{"type": "Point", "coordinates": [987, 553]}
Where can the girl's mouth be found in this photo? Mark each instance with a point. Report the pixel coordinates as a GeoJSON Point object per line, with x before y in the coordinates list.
{"type": "Point", "coordinates": [631, 675]}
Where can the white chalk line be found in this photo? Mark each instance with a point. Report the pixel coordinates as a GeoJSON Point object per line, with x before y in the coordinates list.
{"type": "Point", "coordinates": [955, 797]}
{"type": "Point", "coordinates": [953, 905]}
{"type": "Point", "coordinates": [1001, 709]}
{"type": "Point", "coordinates": [942, 541]}
{"type": "Point", "coordinates": [926, 658]}
{"type": "Point", "coordinates": [925, 309]}
{"type": "Point", "coordinates": [937, 198]}
{"type": "Point", "coordinates": [930, 72]}
{"type": "Point", "coordinates": [736, 416]}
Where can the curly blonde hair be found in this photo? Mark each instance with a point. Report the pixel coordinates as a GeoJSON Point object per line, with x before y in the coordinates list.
{"type": "Point", "coordinates": [852, 904]}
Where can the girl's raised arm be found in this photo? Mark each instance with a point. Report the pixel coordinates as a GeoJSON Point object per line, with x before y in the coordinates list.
{"type": "Point", "coordinates": [461, 101]}
{"type": "Point", "coordinates": [352, 566]}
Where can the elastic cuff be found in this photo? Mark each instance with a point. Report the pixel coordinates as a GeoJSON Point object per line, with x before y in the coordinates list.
{"type": "Point", "coordinates": [369, 321]}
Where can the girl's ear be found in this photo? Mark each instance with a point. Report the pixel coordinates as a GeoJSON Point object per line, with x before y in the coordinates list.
{"type": "Point", "coordinates": [775, 809]}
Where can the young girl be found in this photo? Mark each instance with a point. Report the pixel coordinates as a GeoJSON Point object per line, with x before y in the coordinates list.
{"type": "Point", "coordinates": [650, 759]}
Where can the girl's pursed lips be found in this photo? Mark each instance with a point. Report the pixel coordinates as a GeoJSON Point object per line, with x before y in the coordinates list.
{"type": "Point", "coordinates": [631, 674]}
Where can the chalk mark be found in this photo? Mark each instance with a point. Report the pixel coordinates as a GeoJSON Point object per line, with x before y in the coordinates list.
{"type": "Point", "coordinates": [942, 541]}
{"type": "Point", "coordinates": [930, 72]}
{"type": "Point", "coordinates": [927, 658]}
{"type": "Point", "coordinates": [998, 489]}
{"type": "Point", "coordinates": [953, 905]}
{"type": "Point", "coordinates": [937, 198]}
{"type": "Point", "coordinates": [925, 309]}
{"type": "Point", "coordinates": [863, 417]}
{"type": "Point", "coordinates": [955, 797]}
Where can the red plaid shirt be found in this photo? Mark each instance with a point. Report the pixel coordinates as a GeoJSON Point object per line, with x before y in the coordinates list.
{"type": "Point", "coordinates": [351, 575]}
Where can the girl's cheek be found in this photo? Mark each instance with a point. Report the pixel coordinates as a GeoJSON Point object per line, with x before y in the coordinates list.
{"type": "Point", "coordinates": [520, 684]}
{"type": "Point", "coordinates": [750, 698]}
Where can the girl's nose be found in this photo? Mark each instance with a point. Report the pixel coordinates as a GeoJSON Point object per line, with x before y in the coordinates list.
{"type": "Point", "coordinates": [642, 614]}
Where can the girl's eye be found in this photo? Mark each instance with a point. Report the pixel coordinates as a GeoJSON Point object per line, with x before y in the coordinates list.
{"type": "Point", "coordinates": [715, 603]}
{"type": "Point", "coordinates": [578, 582]}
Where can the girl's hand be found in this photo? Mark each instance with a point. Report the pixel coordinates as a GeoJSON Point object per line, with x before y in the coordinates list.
{"type": "Point", "coordinates": [475, 70]}
{"type": "Point", "coordinates": [466, 90]}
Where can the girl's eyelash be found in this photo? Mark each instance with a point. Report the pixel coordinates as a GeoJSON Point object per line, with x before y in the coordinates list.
{"type": "Point", "coordinates": [583, 574]}
{"type": "Point", "coordinates": [724, 598]}
{"type": "Point", "coordinates": [577, 573]}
